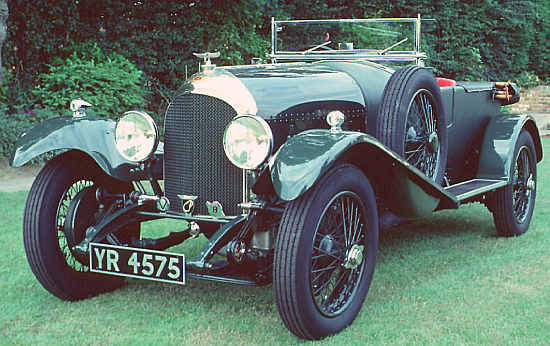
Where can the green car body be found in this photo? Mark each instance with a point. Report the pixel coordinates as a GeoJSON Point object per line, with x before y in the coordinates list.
{"type": "Point", "coordinates": [303, 159]}
{"type": "Point", "coordinates": [289, 169]}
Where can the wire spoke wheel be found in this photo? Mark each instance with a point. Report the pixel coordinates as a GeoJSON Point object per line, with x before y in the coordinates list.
{"type": "Point", "coordinates": [421, 141]}
{"type": "Point", "coordinates": [512, 206]}
{"type": "Point", "coordinates": [325, 253]}
{"type": "Point", "coordinates": [411, 120]}
{"type": "Point", "coordinates": [336, 264]}
{"type": "Point", "coordinates": [62, 209]}
{"type": "Point", "coordinates": [523, 185]}
{"type": "Point", "coordinates": [60, 206]}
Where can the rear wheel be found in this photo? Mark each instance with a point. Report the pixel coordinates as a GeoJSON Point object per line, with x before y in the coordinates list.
{"type": "Point", "coordinates": [513, 204]}
{"type": "Point", "coordinates": [325, 254]}
{"type": "Point", "coordinates": [63, 193]}
{"type": "Point", "coordinates": [411, 120]}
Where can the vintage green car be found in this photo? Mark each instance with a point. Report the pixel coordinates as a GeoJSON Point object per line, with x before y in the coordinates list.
{"type": "Point", "coordinates": [290, 169]}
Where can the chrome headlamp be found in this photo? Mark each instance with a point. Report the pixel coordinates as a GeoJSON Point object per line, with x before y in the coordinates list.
{"type": "Point", "coordinates": [136, 136]}
{"type": "Point", "coordinates": [247, 141]}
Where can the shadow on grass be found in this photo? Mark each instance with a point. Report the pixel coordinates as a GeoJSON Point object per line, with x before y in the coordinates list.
{"type": "Point", "coordinates": [417, 250]}
{"type": "Point", "coordinates": [468, 220]}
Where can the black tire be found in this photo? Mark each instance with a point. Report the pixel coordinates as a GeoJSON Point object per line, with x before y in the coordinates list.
{"type": "Point", "coordinates": [303, 249]}
{"type": "Point", "coordinates": [46, 244]}
{"type": "Point", "coordinates": [513, 204]}
{"type": "Point", "coordinates": [411, 120]}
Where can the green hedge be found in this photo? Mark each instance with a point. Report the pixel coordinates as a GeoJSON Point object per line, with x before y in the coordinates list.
{"type": "Point", "coordinates": [110, 83]}
{"type": "Point", "coordinates": [159, 37]}
{"type": "Point", "coordinates": [492, 40]}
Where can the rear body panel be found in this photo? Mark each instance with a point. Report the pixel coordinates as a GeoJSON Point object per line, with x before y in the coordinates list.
{"type": "Point", "coordinates": [469, 111]}
{"type": "Point", "coordinates": [497, 149]}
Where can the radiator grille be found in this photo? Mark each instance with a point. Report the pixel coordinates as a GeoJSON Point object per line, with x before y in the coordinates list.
{"type": "Point", "coordinates": [194, 161]}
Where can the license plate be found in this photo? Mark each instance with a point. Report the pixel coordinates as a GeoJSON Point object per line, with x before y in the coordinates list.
{"type": "Point", "coordinates": [137, 263]}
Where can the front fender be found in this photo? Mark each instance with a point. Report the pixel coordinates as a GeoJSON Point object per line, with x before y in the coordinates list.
{"type": "Point", "coordinates": [94, 136]}
{"type": "Point", "coordinates": [304, 158]}
{"type": "Point", "coordinates": [499, 141]}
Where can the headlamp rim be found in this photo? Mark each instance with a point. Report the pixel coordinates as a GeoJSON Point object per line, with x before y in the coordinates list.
{"type": "Point", "coordinates": [267, 130]}
{"type": "Point", "coordinates": [151, 124]}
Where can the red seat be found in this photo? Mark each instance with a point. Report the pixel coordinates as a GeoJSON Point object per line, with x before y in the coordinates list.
{"type": "Point", "coordinates": [445, 82]}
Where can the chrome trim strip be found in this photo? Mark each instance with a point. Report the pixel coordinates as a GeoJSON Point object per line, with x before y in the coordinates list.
{"type": "Point", "coordinates": [273, 39]}
{"type": "Point", "coordinates": [348, 20]}
{"type": "Point", "coordinates": [348, 56]}
{"type": "Point", "coordinates": [417, 38]}
{"type": "Point", "coordinates": [245, 187]}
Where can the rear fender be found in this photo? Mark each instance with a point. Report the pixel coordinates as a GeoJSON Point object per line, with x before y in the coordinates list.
{"type": "Point", "coordinates": [304, 158]}
{"type": "Point", "coordinates": [93, 136]}
{"type": "Point", "coordinates": [499, 141]}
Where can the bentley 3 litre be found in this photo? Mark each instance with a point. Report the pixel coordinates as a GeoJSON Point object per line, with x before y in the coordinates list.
{"type": "Point", "coordinates": [288, 168]}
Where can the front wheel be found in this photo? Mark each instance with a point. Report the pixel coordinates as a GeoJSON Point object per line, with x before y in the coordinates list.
{"type": "Point", "coordinates": [63, 194]}
{"type": "Point", "coordinates": [325, 254]}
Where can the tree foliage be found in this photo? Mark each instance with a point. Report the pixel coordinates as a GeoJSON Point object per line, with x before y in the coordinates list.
{"type": "Point", "coordinates": [4, 11]}
{"type": "Point", "coordinates": [109, 82]}
{"type": "Point", "coordinates": [487, 39]}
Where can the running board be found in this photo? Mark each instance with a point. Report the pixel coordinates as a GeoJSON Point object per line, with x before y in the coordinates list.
{"type": "Point", "coordinates": [474, 187]}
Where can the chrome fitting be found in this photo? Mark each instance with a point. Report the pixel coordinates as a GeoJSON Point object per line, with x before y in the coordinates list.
{"type": "Point", "coordinates": [251, 205]}
{"type": "Point", "coordinates": [207, 64]}
{"type": "Point", "coordinates": [78, 107]}
{"type": "Point", "coordinates": [194, 229]}
{"type": "Point", "coordinates": [162, 203]}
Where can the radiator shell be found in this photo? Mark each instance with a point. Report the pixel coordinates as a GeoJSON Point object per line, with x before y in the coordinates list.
{"type": "Point", "coordinates": [194, 160]}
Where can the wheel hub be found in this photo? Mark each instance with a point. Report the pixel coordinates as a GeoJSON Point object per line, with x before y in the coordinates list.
{"type": "Point", "coordinates": [354, 257]}
{"type": "Point", "coordinates": [80, 215]}
{"type": "Point", "coordinates": [530, 184]}
{"type": "Point", "coordinates": [237, 250]}
{"type": "Point", "coordinates": [433, 142]}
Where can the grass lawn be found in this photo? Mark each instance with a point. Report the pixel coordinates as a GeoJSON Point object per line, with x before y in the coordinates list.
{"type": "Point", "coordinates": [446, 279]}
